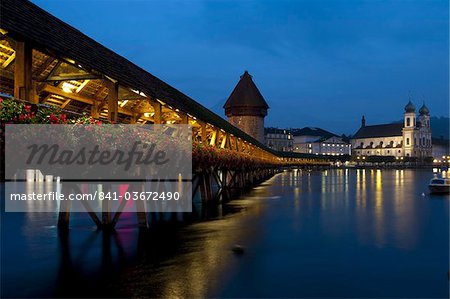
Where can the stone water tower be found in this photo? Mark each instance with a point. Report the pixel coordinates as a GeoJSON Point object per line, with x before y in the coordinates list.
{"type": "Point", "coordinates": [246, 108]}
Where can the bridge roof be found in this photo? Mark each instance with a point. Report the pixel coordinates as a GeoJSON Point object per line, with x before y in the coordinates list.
{"type": "Point", "coordinates": [26, 21]}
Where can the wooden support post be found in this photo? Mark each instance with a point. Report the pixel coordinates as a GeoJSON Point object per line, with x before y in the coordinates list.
{"type": "Point", "coordinates": [208, 182]}
{"type": "Point", "coordinates": [158, 112]}
{"type": "Point", "coordinates": [231, 143]}
{"type": "Point", "coordinates": [94, 110]}
{"type": "Point", "coordinates": [214, 138]}
{"type": "Point", "coordinates": [238, 144]}
{"type": "Point", "coordinates": [184, 119]}
{"type": "Point", "coordinates": [140, 211]}
{"type": "Point", "coordinates": [106, 209]}
{"type": "Point", "coordinates": [113, 100]}
{"type": "Point", "coordinates": [204, 133]}
{"type": "Point", "coordinates": [88, 208]}
{"type": "Point", "coordinates": [34, 97]}
{"type": "Point", "coordinates": [133, 119]}
{"type": "Point", "coordinates": [224, 140]}
{"type": "Point", "coordinates": [23, 87]}
{"type": "Point", "coordinates": [203, 189]}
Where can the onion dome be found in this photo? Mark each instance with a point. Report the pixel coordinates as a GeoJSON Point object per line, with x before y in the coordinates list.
{"type": "Point", "coordinates": [410, 107]}
{"type": "Point", "coordinates": [424, 110]}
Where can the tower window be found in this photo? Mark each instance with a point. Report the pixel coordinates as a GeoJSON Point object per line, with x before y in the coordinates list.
{"type": "Point", "coordinates": [407, 140]}
{"type": "Point", "coordinates": [408, 122]}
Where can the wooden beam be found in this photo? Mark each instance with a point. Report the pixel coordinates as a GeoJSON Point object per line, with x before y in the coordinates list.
{"type": "Point", "coordinates": [73, 96]}
{"type": "Point", "coordinates": [9, 60]}
{"type": "Point", "coordinates": [95, 113]}
{"type": "Point", "coordinates": [65, 103]}
{"type": "Point", "coordinates": [6, 47]}
{"type": "Point", "coordinates": [158, 112]}
{"type": "Point", "coordinates": [77, 97]}
{"type": "Point", "coordinates": [68, 77]}
{"type": "Point", "coordinates": [113, 100]}
{"type": "Point", "coordinates": [22, 73]}
{"type": "Point", "coordinates": [134, 118]}
{"type": "Point", "coordinates": [38, 71]}
{"type": "Point", "coordinates": [204, 133]}
{"type": "Point", "coordinates": [215, 137]}
{"type": "Point", "coordinates": [224, 140]}
{"type": "Point", "coordinates": [53, 70]}
{"type": "Point", "coordinates": [184, 118]}
{"type": "Point", "coordinates": [83, 85]}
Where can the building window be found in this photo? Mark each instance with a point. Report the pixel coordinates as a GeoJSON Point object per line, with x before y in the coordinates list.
{"type": "Point", "coordinates": [362, 144]}
{"type": "Point", "coordinates": [407, 141]}
{"type": "Point", "coordinates": [408, 122]}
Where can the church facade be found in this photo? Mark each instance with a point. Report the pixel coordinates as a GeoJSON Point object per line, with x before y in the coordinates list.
{"type": "Point", "coordinates": [411, 138]}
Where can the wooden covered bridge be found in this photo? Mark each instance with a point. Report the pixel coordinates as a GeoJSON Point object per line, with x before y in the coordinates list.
{"type": "Point", "coordinates": [45, 61]}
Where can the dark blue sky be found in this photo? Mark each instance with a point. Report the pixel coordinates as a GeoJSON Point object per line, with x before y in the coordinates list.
{"type": "Point", "coordinates": [317, 63]}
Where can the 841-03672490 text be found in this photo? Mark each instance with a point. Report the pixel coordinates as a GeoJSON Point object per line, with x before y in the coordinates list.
{"type": "Point", "coordinates": [98, 195]}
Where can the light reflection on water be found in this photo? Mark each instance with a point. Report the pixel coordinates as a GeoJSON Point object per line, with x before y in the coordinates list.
{"type": "Point", "coordinates": [360, 233]}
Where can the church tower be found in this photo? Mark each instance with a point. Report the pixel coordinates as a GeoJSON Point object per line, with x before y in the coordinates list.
{"type": "Point", "coordinates": [424, 116]}
{"type": "Point", "coordinates": [424, 138]}
{"type": "Point", "coordinates": [246, 108]}
{"type": "Point", "coordinates": [409, 125]}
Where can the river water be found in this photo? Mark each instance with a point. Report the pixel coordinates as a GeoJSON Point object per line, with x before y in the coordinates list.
{"type": "Point", "coordinates": [333, 233]}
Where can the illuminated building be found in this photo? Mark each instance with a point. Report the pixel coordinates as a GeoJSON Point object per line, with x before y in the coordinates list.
{"type": "Point", "coordinates": [410, 138]}
{"type": "Point", "coordinates": [311, 140]}
{"type": "Point", "coordinates": [279, 139]}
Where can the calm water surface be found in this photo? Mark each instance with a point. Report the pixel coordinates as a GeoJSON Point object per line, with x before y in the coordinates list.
{"type": "Point", "coordinates": [334, 233]}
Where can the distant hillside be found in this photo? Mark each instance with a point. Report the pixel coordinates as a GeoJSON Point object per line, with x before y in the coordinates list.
{"type": "Point", "coordinates": [440, 127]}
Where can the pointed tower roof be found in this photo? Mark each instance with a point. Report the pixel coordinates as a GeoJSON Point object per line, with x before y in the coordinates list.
{"type": "Point", "coordinates": [246, 94]}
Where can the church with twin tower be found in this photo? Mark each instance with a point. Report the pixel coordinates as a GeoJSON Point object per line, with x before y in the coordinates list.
{"type": "Point", "coordinates": [409, 138]}
{"type": "Point", "coordinates": [246, 108]}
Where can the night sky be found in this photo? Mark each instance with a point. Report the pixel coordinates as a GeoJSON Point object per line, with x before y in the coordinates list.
{"type": "Point", "coordinates": [317, 63]}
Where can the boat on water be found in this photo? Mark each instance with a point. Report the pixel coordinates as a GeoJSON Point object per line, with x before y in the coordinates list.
{"type": "Point", "coordinates": [439, 186]}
